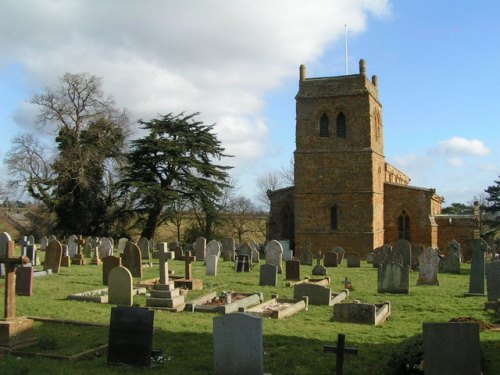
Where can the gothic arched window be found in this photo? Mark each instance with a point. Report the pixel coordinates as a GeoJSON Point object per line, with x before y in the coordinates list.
{"type": "Point", "coordinates": [404, 226]}
{"type": "Point", "coordinates": [323, 126]}
{"type": "Point", "coordinates": [334, 219]}
{"type": "Point", "coordinates": [341, 126]}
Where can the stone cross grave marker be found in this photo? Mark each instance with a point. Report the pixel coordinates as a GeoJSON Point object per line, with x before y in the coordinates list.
{"type": "Point", "coordinates": [79, 258]}
{"type": "Point", "coordinates": [188, 267]}
{"type": "Point", "coordinates": [164, 256]}
{"type": "Point", "coordinates": [341, 351]}
{"type": "Point", "coordinates": [319, 269]}
{"type": "Point", "coordinates": [477, 273]}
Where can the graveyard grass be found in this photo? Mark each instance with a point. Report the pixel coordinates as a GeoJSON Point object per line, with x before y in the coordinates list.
{"type": "Point", "coordinates": [291, 346]}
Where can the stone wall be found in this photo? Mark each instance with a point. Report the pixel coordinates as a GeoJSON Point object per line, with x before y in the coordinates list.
{"type": "Point", "coordinates": [459, 228]}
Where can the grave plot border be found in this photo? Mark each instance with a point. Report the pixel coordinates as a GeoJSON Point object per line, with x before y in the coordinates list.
{"type": "Point", "coordinates": [296, 306]}
{"type": "Point", "coordinates": [198, 304]}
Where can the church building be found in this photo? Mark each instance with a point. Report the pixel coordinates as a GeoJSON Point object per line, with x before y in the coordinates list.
{"type": "Point", "coordinates": [345, 193]}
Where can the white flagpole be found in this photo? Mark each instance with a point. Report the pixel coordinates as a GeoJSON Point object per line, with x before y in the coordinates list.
{"type": "Point", "coordinates": [346, 58]}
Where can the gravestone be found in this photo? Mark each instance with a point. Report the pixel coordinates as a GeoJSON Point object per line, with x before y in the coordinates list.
{"type": "Point", "coordinates": [493, 280]}
{"type": "Point", "coordinates": [255, 255]}
{"type": "Point", "coordinates": [94, 246]}
{"type": "Point", "coordinates": [274, 254]}
{"type": "Point", "coordinates": [318, 294]}
{"type": "Point", "coordinates": [188, 267]}
{"type": "Point", "coordinates": [331, 259]}
{"type": "Point", "coordinates": [228, 248]}
{"type": "Point", "coordinates": [268, 275]}
{"type": "Point", "coordinates": [31, 254]}
{"type": "Point", "coordinates": [287, 252]}
{"type": "Point", "coordinates": [238, 345]}
{"type": "Point", "coordinates": [122, 243]}
{"type": "Point", "coordinates": [362, 313]}
{"type": "Point", "coordinates": [477, 274]}
{"type": "Point", "coordinates": [120, 286]}
{"type": "Point", "coordinates": [108, 263]}
{"type": "Point", "coordinates": [200, 248]}
{"type": "Point", "coordinates": [242, 263]}
{"type": "Point", "coordinates": [213, 248]}
{"type": "Point", "coordinates": [428, 264]}
{"type": "Point", "coordinates": [340, 254]}
{"type": "Point", "coordinates": [211, 265]}
{"type": "Point", "coordinates": [246, 249]}
{"type": "Point", "coordinates": [72, 245]}
{"type": "Point", "coordinates": [87, 247]}
{"type": "Point", "coordinates": [51, 238]}
{"type": "Point", "coordinates": [53, 256]}
{"type": "Point", "coordinates": [403, 248]}
{"type": "Point", "coordinates": [319, 269]}
{"type": "Point", "coordinates": [393, 277]}
{"type": "Point", "coordinates": [65, 259]}
{"type": "Point", "coordinates": [415, 253]}
{"type": "Point", "coordinates": [452, 258]}
{"type": "Point", "coordinates": [353, 260]}
{"type": "Point", "coordinates": [131, 259]}
{"type": "Point", "coordinates": [379, 254]}
{"type": "Point", "coordinates": [43, 242]}
{"type": "Point", "coordinates": [24, 280]}
{"type": "Point", "coordinates": [105, 247]}
{"type": "Point", "coordinates": [130, 336]}
{"type": "Point", "coordinates": [452, 348]}
{"type": "Point", "coordinates": [306, 258]}
{"type": "Point", "coordinates": [143, 245]}
{"type": "Point", "coordinates": [31, 239]}
{"type": "Point", "coordinates": [292, 270]}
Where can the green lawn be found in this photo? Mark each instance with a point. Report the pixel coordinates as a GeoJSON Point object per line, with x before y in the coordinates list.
{"type": "Point", "coordinates": [292, 346]}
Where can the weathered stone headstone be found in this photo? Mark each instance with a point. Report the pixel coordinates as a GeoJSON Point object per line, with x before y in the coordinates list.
{"type": "Point", "coordinates": [340, 254]}
{"type": "Point", "coordinates": [108, 263]}
{"type": "Point", "coordinates": [255, 255]}
{"type": "Point", "coordinates": [213, 248]}
{"type": "Point", "coordinates": [379, 254]}
{"type": "Point", "coordinates": [228, 248]}
{"type": "Point", "coordinates": [268, 275]}
{"type": "Point", "coordinates": [319, 269]}
{"type": "Point", "coordinates": [362, 313]}
{"type": "Point", "coordinates": [43, 242]}
{"type": "Point", "coordinates": [451, 348]}
{"type": "Point", "coordinates": [477, 274]}
{"type": "Point", "coordinates": [105, 247]}
{"type": "Point", "coordinates": [452, 258]}
{"type": "Point", "coordinates": [122, 242]}
{"type": "Point", "coordinates": [238, 345]}
{"type": "Point", "coordinates": [318, 294]}
{"type": "Point", "coordinates": [120, 286]}
{"type": "Point", "coordinates": [130, 336]}
{"type": "Point", "coordinates": [24, 281]}
{"type": "Point", "coordinates": [242, 263]}
{"type": "Point", "coordinates": [143, 245]}
{"type": "Point", "coordinates": [428, 265]}
{"type": "Point", "coordinates": [31, 254]}
{"type": "Point", "coordinates": [72, 245]}
{"type": "Point", "coordinates": [200, 248]}
{"type": "Point", "coordinates": [493, 280]}
{"type": "Point", "coordinates": [53, 256]}
{"type": "Point", "coordinates": [131, 259]}
{"type": "Point", "coordinates": [292, 270]}
{"type": "Point", "coordinates": [245, 249]}
{"type": "Point", "coordinates": [211, 265]}
{"type": "Point", "coordinates": [331, 259]}
{"type": "Point", "coordinates": [306, 258]}
{"type": "Point", "coordinates": [393, 277]}
{"type": "Point", "coordinates": [353, 260]}
{"type": "Point", "coordinates": [274, 254]}
{"type": "Point", "coordinates": [403, 248]}
{"type": "Point", "coordinates": [287, 252]}
{"type": "Point", "coordinates": [31, 239]}
{"type": "Point", "coordinates": [177, 249]}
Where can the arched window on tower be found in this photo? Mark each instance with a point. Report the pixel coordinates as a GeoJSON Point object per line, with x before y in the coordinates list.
{"type": "Point", "coordinates": [334, 219]}
{"type": "Point", "coordinates": [404, 226]}
{"type": "Point", "coordinates": [324, 124]}
{"type": "Point", "coordinates": [341, 126]}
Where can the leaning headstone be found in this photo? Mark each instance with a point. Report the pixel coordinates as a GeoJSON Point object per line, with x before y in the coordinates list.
{"type": "Point", "coordinates": [238, 345]}
{"type": "Point", "coordinates": [228, 248]}
{"type": "Point", "coordinates": [428, 264]}
{"type": "Point", "coordinates": [120, 286]}
{"type": "Point", "coordinates": [353, 260]}
{"type": "Point", "coordinates": [274, 254]}
{"type": "Point", "coordinates": [131, 259]}
{"type": "Point", "coordinates": [292, 270]}
{"type": "Point", "coordinates": [331, 259]}
{"type": "Point", "coordinates": [105, 247]}
{"type": "Point", "coordinates": [211, 265]}
{"type": "Point", "coordinates": [268, 275]}
{"type": "Point", "coordinates": [340, 254]}
{"type": "Point", "coordinates": [493, 280]}
{"type": "Point", "coordinates": [213, 248]}
{"type": "Point", "coordinates": [122, 242]}
{"type": "Point", "coordinates": [108, 263]}
{"type": "Point", "coordinates": [477, 274]}
{"type": "Point", "coordinates": [53, 256]}
{"type": "Point", "coordinates": [393, 277]}
{"type": "Point", "coordinates": [452, 258]}
{"type": "Point", "coordinates": [24, 281]}
{"type": "Point", "coordinates": [200, 248]}
{"type": "Point", "coordinates": [319, 269]}
{"type": "Point", "coordinates": [452, 348]}
{"type": "Point", "coordinates": [130, 336]}
{"type": "Point", "coordinates": [403, 248]}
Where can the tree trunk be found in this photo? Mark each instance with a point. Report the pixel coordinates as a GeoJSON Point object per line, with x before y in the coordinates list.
{"type": "Point", "coordinates": [149, 229]}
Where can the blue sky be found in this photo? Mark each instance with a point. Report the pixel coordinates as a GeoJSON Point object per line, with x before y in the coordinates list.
{"type": "Point", "coordinates": [237, 63]}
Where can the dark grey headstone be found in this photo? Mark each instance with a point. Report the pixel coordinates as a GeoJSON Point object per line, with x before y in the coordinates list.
{"type": "Point", "coordinates": [477, 273]}
{"type": "Point", "coordinates": [331, 259]}
{"type": "Point", "coordinates": [238, 345]}
{"type": "Point", "coordinates": [130, 336]}
{"type": "Point", "coordinates": [24, 281]}
{"type": "Point", "coordinates": [353, 260]}
{"type": "Point", "coordinates": [242, 263]}
{"type": "Point", "coordinates": [451, 349]}
{"type": "Point", "coordinates": [393, 277]}
{"type": "Point", "coordinates": [306, 257]}
{"type": "Point", "coordinates": [268, 275]}
{"type": "Point", "coordinates": [292, 270]}
{"type": "Point", "coordinates": [493, 280]}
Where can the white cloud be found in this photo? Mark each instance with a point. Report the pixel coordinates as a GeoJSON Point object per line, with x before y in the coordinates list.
{"type": "Point", "coordinates": [455, 162]}
{"type": "Point", "coordinates": [461, 146]}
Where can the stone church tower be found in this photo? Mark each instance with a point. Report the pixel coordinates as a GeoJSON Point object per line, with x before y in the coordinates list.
{"type": "Point", "coordinates": [339, 162]}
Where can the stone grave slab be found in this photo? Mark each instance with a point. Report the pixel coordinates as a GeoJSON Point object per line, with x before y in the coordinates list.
{"type": "Point", "coordinates": [319, 294]}
{"type": "Point", "coordinates": [452, 259]}
{"type": "Point", "coordinates": [362, 313]}
{"type": "Point", "coordinates": [403, 248]}
{"type": "Point", "coordinates": [287, 252]}
{"type": "Point", "coordinates": [224, 303]}
{"type": "Point", "coordinates": [306, 257]}
{"type": "Point", "coordinates": [277, 308]}
{"type": "Point", "coordinates": [493, 280]}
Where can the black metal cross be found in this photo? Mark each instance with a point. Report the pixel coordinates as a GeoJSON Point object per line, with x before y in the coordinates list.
{"type": "Point", "coordinates": [340, 350]}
